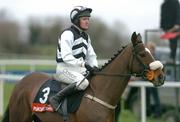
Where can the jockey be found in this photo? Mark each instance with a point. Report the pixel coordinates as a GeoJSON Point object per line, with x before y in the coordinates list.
{"type": "Point", "coordinates": [75, 55]}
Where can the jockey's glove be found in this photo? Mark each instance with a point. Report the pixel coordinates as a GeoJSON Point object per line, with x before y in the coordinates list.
{"type": "Point", "coordinates": [96, 69]}
{"type": "Point", "coordinates": [89, 68]}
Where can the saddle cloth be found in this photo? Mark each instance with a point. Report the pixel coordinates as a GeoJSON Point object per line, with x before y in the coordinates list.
{"type": "Point", "coordinates": [50, 88]}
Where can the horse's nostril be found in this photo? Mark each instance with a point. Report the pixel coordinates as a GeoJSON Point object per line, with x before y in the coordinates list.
{"type": "Point", "coordinates": [161, 77]}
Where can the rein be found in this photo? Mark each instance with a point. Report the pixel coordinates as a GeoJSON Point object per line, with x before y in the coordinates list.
{"type": "Point", "coordinates": [142, 74]}
{"type": "Point", "coordinates": [118, 75]}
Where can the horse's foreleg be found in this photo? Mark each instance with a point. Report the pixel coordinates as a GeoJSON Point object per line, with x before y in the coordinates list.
{"type": "Point", "coordinates": [111, 118]}
{"type": "Point", "coordinates": [93, 112]}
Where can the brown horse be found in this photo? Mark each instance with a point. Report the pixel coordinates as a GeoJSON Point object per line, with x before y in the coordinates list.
{"type": "Point", "coordinates": [106, 87]}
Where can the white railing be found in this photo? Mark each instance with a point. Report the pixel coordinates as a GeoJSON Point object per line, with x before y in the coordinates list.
{"type": "Point", "coordinates": [1, 97]}
{"type": "Point", "coordinates": [141, 84]}
{"type": "Point", "coordinates": [32, 63]}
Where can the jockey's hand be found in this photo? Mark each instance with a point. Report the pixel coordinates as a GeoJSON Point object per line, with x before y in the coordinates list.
{"type": "Point", "coordinates": [96, 69]}
{"type": "Point", "coordinates": [89, 68]}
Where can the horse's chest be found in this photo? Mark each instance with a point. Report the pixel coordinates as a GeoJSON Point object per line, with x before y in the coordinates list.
{"type": "Point", "coordinates": [91, 111]}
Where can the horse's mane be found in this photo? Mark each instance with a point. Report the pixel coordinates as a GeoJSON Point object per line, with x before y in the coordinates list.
{"type": "Point", "coordinates": [112, 58]}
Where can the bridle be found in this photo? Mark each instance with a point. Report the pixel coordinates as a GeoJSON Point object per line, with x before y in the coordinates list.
{"type": "Point", "coordinates": [142, 74]}
{"type": "Point", "coordinates": [145, 67]}
{"type": "Point", "coordinates": [134, 55]}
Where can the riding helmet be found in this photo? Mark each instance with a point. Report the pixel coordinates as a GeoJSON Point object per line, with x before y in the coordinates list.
{"type": "Point", "coordinates": [79, 11]}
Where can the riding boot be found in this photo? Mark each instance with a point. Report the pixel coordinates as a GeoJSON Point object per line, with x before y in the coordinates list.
{"type": "Point", "coordinates": [57, 98]}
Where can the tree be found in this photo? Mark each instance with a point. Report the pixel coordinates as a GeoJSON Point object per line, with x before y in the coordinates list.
{"type": "Point", "coordinates": [107, 41]}
{"type": "Point", "coordinates": [10, 37]}
{"type": "Point", "coordinates": [34, 31]}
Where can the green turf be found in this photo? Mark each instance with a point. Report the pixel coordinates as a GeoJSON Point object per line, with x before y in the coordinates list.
{"type": "Point", "coordinates": [127, 116]}
{"type": "Point", "coordinates": [8, 87]}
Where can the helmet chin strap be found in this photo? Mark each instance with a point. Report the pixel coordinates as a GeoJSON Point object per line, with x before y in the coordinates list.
{"type": "Point", "coordinates": [79, 28]}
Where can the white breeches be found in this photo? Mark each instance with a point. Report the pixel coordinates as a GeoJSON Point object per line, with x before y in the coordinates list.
{"type": "Point", "coordinates": [67, 76]}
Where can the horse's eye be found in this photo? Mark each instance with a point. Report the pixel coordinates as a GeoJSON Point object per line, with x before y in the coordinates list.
{"type": "Point", "coordinates": [142, 54]}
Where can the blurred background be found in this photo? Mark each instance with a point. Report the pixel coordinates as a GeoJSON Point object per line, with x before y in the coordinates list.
{"type": "Point", "coordinates": [29, 31]}
{"type": "Point", "coordinates": [31, 28]}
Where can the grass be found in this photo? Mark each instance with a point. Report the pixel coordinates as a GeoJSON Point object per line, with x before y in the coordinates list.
{"type": "Point", "coordinates": [127, 116]}
{"type": "Point", "coordinates": [8, 88]}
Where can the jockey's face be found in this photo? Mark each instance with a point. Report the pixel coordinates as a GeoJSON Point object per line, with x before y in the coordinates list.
{"type": "Point", "coordinates": [84, 22]}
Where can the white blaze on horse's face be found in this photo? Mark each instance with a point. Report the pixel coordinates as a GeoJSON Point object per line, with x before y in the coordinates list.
{"type": "Point", "coordinates": [148, 50]}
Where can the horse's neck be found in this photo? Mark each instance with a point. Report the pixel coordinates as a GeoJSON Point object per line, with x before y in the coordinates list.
{"type": "Point", "coordinates": [110, 88]}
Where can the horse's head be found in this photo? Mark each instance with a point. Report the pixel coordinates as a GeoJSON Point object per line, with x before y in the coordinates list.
{"type": "Point", "coordinates": [143, 62]}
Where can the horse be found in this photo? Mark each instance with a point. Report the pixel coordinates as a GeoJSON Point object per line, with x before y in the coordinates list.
{"type": "Point", "coordinates": [102, 95]}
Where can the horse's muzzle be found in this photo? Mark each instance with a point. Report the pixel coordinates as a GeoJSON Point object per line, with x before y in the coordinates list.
{"type": "Point", "coordinates": [159, 80]}
{"type": "Point", "coordinates": [157, 77]}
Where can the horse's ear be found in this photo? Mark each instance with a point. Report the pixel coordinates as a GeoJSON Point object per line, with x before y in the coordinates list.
{"type": "Point", "coordinates": [139, 38]}
{"type": "Point", "coordinates": [134, 38]}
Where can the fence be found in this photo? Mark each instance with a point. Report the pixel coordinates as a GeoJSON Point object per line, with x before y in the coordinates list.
{"type": "Point", "coordinates": [33, 63]}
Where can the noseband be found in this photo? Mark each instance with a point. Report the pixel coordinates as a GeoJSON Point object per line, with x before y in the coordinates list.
{"type": "Point", "coordinates": [145, 67]}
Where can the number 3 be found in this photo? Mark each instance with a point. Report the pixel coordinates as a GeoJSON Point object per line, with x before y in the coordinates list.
{"type": "Point", "coordinates": [45, 96]}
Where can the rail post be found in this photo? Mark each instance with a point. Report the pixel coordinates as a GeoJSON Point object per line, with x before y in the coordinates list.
{"type": "Point", "coordinates": [143, 104]}
{"type": "Point", "coordinates": [1, 97]}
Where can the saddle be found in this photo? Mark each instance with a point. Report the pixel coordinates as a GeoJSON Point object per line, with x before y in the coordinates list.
{"type": "Point", "coordinates": [49, 89]}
